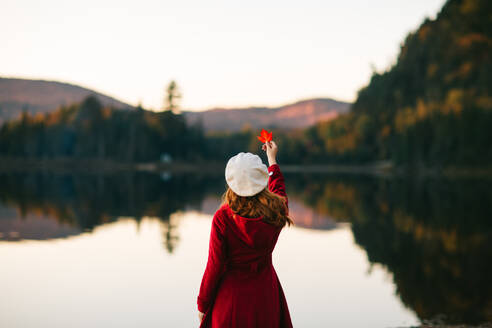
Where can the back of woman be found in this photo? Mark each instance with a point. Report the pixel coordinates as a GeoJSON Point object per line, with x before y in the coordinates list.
{"type": "Point", "coordinates": [240, 287]}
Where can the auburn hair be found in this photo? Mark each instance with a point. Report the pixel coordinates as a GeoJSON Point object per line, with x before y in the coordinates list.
{"type": "Point", "coordinates": [270, 206]}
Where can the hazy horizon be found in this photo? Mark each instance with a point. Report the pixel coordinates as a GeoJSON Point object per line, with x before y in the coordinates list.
{"type": "Point", "coordinates": [223, 54]}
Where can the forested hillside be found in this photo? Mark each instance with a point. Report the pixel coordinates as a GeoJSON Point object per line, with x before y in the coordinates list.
{"type": "Point", "coordinates": [434, 106]}
{"type": "Point", "coordinates": [89, 130]}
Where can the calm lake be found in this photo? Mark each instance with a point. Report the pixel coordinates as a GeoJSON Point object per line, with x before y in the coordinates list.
{"type": "Point", "coordinates": [129, 250]}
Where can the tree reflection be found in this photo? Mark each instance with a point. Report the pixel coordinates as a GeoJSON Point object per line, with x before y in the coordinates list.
{"type": "Point", "coordinates": [85, 201]}
{"type": "Point", "coordinates": [435, 236]}
{"type": "Point", "coordinates": [170, 235]}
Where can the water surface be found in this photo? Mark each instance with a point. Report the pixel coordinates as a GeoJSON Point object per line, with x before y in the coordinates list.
{"type": "Point", "coordinates": [130, 250]}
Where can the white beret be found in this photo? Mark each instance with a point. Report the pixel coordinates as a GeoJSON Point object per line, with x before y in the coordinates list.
{"type": "Point", "coordinates": [246, 174]}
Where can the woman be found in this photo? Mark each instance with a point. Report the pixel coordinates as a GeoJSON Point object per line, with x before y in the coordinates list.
{"type": "Point", "coordinates": [240, 287]}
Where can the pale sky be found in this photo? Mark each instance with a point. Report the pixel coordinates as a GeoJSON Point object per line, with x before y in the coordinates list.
{"type": "Point", "coordinates": [221, 53]}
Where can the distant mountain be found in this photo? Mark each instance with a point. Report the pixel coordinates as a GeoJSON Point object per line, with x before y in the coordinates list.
{"type": "Point", "coordinates": [298, 115]}
{"type": "Point", "coordinates": [39, 96]}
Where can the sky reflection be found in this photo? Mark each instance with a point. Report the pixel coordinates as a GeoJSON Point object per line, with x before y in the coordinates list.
{"type": "Point", "coordinates": [120, 274]}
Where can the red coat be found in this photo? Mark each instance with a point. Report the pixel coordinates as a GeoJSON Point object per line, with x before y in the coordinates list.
{"type": "Point", "coordinates": [240, 288]}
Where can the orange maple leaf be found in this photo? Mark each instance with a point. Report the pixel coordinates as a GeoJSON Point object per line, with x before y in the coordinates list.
{"type": "Point", "coordinates": [265, 136]}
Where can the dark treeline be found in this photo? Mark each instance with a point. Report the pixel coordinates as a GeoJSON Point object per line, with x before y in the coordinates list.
{"type": "Point", "coordinates": [87, 130]}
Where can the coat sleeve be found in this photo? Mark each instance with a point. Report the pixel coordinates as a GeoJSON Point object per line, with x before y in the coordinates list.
{"type": "Point", "coordinates": [276, 182]}
{"type": "Point", "coordinates": [216, 264]}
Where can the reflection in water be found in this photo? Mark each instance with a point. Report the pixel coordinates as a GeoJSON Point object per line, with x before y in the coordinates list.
{"type": "Point", "coordinates": [433, 236]}
{"type": "Point", "coordinates": [170, 235]}
{"type": "Point", "coordinates": [35, 226]}
{"type": "Point", "coordinates": [79, 203]}
{"type": "Point", "coordinates": [305, 217]}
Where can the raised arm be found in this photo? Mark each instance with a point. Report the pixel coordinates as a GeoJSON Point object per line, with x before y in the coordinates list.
{"type": "Point", "coordinates": [276, 181]}
{"type": "Point", "coordinates": [216, 264]}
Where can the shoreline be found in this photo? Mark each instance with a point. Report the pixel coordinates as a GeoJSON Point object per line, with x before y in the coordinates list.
{"type": "Point", "coordinates": [378, 169]}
